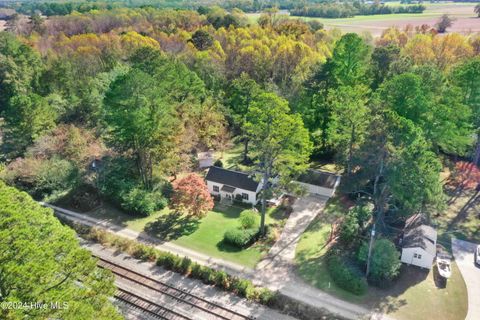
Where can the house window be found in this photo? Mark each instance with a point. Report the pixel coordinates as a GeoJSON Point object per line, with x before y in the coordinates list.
{"type": "Point", "coordinates": [245, 196]}
{"type": "Point", "coordinates": [419, 256]}
{"type": "Point", "coordinates": [415, 255]}
{"type": "Point", "coordinates": [216, 189]}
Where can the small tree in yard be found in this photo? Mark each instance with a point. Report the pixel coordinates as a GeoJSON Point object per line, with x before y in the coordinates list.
{"type": "Point", "coordinates": [385, 261]}
{"type": "Point", "coordinates": [477, 10]}
{"type": "Point", "coordinates": [190, 195]}
{"type": "Point", "coordinates": [279, 141]}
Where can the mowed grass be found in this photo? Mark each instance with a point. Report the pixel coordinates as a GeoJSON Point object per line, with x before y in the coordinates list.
{"type": "Point", "coordinates": [417, 294]}
{"type": "Point", "coordinates": [203, 235]}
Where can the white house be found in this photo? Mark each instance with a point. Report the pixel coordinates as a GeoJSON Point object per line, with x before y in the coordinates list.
{"type": "Point", "coordinates": [205, 159]}
{"type": "Point", "coordinates": [230, 185]}
{"type": "Point", "coordinates": [319, 182]}
{"type": "Point", "coordinates": [419, 243]}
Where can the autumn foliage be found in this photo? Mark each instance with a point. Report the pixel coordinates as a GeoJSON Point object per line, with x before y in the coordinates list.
{"type": "Point", "coordinates": [467, 174]}
{"type": "Point", "coordinates": [191, 196]}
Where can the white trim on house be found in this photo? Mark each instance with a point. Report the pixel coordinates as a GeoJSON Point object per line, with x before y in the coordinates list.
{"type": "Point", "coordinates": [215, 188]}
{"type": "Point", "coordinates": [417, 257]}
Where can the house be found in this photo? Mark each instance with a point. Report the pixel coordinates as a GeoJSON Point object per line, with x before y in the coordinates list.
{"type": "Point", "coordinates": [205, 159]}
{"type": "Point", "coordinates": [319, 182]}
{"type": "Point", "coordinates": [419, 243]}
{"type": "Point", "coordinates": [230, 185]}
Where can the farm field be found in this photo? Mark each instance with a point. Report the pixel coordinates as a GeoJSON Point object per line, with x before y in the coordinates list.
{"type": "Point", "coordinates": [466, 20]}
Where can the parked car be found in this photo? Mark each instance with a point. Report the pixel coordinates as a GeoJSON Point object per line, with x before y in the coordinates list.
{"type": "Point", "coordinates": [477, 255]}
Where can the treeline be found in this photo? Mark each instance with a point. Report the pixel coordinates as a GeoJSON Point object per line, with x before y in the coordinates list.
{"type": "Point", "coordinates": [348, 10]}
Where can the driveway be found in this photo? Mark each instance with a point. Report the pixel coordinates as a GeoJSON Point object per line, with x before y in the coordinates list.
{"type": "Point", "coordinates": [463, 252]}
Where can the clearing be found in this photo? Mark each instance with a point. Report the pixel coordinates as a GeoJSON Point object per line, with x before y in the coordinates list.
{"type": "Point", "coordinates": [466, 21]}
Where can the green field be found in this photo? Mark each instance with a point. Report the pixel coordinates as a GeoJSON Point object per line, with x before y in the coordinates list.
{"type": "Point", "coordinates": [465, 22]}
{"type": "Point", "coordinates": [415, 295]}
{"type": "Point", "coordinates": [203, 235]}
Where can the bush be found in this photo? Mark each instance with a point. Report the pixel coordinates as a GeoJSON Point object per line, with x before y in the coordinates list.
{"type": "Point", "coordinates": [345, 276]}
{"type": "Point", "coordinates": [265, 296]}
{"type": "Point", "coordinates": [167, 260]}
{"type": "Point", "coordinates": [243, 287]}
{"type": "Point", "coordinates": [218, 163]}
{"type": "Point", "coordinates": [185, 265]}
{"type": "Point", "coordinates": [248, 219]}
{"type": "Point", "coordinates": [240, 237]}
{"type": "Point", "coordinates": [385, 260]}
{"type": "Point", "coordinates": [144, 252]}
{"type": "Point", "coordinates": [222, 279]}
{"type": "Point", "coordinates": [141, 201]}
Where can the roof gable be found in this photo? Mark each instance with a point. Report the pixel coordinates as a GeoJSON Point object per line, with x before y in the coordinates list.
{"type": "Point", "coordinates": [423, 236]}
{"type": "Point", "coordinates": [232, 178]}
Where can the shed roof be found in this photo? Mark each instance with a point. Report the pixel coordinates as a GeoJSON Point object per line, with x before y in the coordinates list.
{"type": "Point", "coordinates": [232, 178]}
{"type": "Point", "coordinates": [423, 236]}
{"type": "Point", "coordinates": [319, 178]}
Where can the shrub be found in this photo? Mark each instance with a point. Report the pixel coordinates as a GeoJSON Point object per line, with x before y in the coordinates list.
{"type": "Point", "coordinates": [141, 201]}
{"type": "Point", "coordinates": [207, 275]}
{"type": "Point", "coordinates": [218, 163]}
{"type": "Point", "coordinates": [240, 237]}
{"type": "Point", "coordinates": [265, 296]}
{"type": "Point", "coordinates": [185, 265]}
{"type": "Point", "coordinates": [345, 276]}
{"type": "Point", "coordinates": [248, 219]}
{"type": "Point", "coordinates": [243, 287]}
{"type": "Point", "coordinates": [144, 252]}
{"type": "Point", "coordinates": [385, 260]}
{"type": "Point", "coordinates": [222, 279]}
{"type": "Point", "coordinates": [196, 270]}
{"type": "Point", "coordinates": [167, 260]}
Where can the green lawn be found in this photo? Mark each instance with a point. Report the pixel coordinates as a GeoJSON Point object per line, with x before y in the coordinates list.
{"type": "Point", "coordinates": [415, 295]}
{"type": "Point", "coordinates": [203, 235]}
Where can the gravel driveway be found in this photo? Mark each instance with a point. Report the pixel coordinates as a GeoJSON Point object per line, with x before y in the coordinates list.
{"type": "Point", "coordinates": [463, 252]}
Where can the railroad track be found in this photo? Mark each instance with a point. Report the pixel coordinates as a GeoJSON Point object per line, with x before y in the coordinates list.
{"type": "Point", "coordinates": [182, 296]}
{"type": "Point", "coordinates": [147, 306]}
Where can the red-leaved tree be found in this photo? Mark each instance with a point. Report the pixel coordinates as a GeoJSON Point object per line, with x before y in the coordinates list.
{"type": "Point", "coordinates": [467, 175]}
{"type": "Point", "coordinates": [190, 195]}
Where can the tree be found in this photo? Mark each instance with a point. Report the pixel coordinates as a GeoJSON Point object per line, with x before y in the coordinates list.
{"type": "Point", "coordinates": [477, 10]}
{"type": "Point", "coordinates": [467, 77]}
{"type": "Point", "coordinates": [350, 60]}
{"type": "Point", "coordinates": [190, 194]}
{"type": "Point", "coordinates": [43, 262]}
{"type": "Point", "coordinates": [27, 117]}
{"type": "Point", "coordinates": [279, 141]}
{"type": "Point", "coordinates": [382, 59]}
{"type": "Point", "coordinates": [444, 23]}
{"type": "Point", "coordinates": [385, 261]}
{"type": "Point", "coordinates": [202, 40]}
{"type": "Point", "coordinates": [20, 68]}
{"type": "Point", "coordinates": [240, 95]}
{"type": "Point", "coordinates": [140, 120]}
{"type": "Point", "coordinates": [349, 120]}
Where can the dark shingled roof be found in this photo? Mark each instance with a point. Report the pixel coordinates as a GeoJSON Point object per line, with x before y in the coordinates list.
{"type": "Point", "coordinates": [318, 178]}
{"type": "Point", "coordinates": [422, 236]}
{"type": "Point", "coordinates": [232, 178]}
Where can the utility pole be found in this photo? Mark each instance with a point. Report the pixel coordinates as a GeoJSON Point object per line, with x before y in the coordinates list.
{"type": "Point", "coordinates": [372, 237]}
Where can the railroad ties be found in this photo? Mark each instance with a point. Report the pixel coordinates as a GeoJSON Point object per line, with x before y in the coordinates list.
{"type": "Point", "coordinates": [182, 296]}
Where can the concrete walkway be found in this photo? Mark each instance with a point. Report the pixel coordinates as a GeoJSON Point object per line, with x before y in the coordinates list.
{"type": "Point", "coordinates": [274, 272]}
{"type": "Point", "coordinates": [463, 252]}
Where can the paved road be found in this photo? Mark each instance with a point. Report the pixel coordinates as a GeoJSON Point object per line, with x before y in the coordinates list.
{"type": "Point", "coordinates": [463, 252]}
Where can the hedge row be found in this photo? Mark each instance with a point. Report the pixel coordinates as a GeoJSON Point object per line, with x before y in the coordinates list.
{"type": "Point", "coordinates": [183, 265]}
{"type": "Point", "coordinates": [345, 276]}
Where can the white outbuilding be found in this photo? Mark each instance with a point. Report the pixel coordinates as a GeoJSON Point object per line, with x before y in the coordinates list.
{"type": "Point", "coordinates": [319, 182]}
{"type": "Point", "coordinates": [419, 243]}
{"type": "Point", "coordinates": [205, 159]}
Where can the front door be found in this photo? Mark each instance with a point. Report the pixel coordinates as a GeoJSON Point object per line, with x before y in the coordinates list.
{"type": "Point", "coordinates": [228, 196]}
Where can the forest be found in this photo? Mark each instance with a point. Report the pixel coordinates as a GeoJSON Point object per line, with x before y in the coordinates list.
{"type": "Point", "coordinates": [114, 103]}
